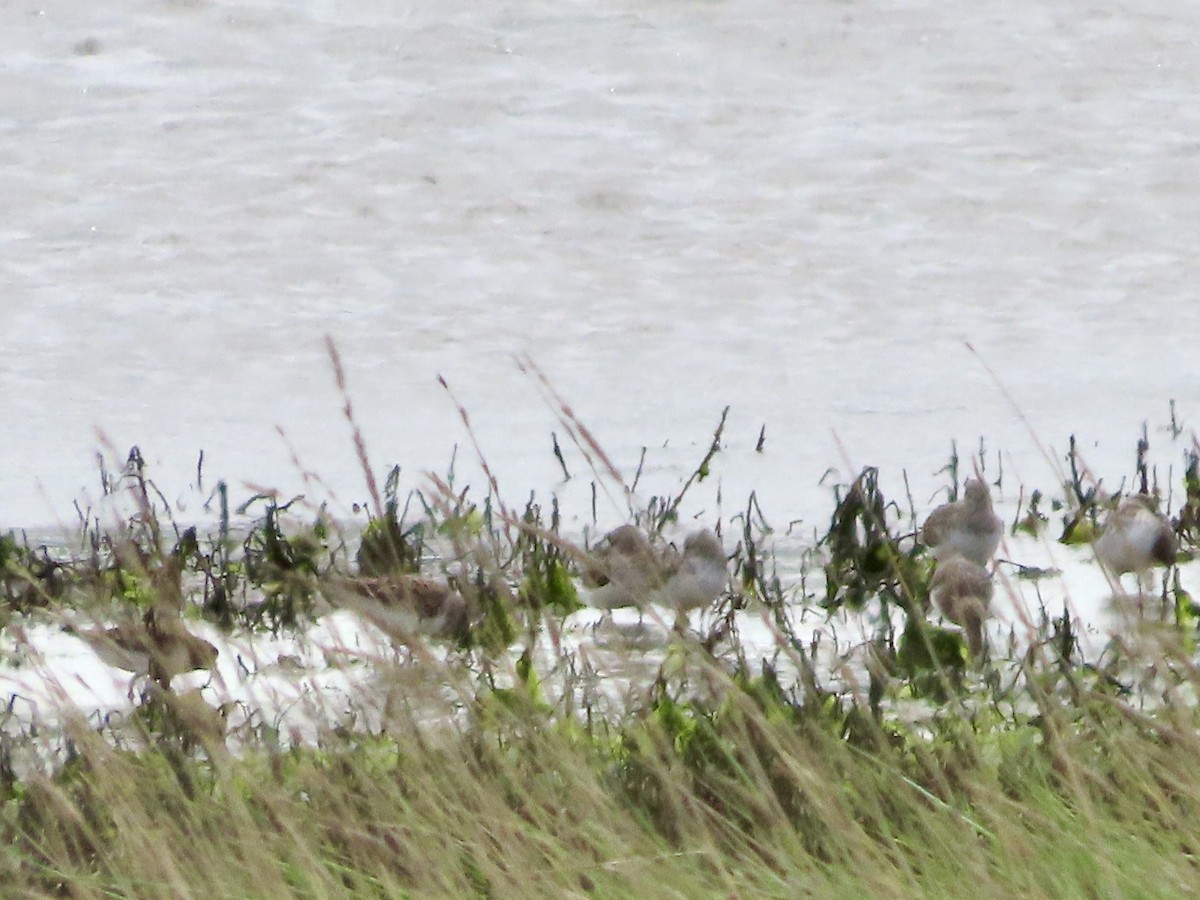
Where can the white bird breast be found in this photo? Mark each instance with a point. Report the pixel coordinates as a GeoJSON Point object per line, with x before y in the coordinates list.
{"type": "Point", "coordinates": [1127, 546]}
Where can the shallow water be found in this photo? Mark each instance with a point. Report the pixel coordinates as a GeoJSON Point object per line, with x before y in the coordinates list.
{"type": "Point", "coordinates": [805, 214]}
{"type": "Point", "coordinates": [342, 672]}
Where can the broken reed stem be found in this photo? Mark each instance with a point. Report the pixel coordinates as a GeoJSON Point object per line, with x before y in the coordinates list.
{"type": "Point", "coordinates": [360, 445]}
{"type": "Point", "coordinates": [637, 476]}
{"type": "Point", "coordinates": [558, 454]}
{"type": "Point", "coordinates": [713, 449]}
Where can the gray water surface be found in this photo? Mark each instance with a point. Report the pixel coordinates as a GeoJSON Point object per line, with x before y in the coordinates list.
{"type": "Point", "coordinates": [804, 211]}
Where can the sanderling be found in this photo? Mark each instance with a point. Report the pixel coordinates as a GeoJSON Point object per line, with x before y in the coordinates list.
{"type": "Point", "coordinates": [962, 590]}
{"type": "Point", "coordinates": [158, 646]}
{"type": "Point", "coordinates": [1136, 538]}
{"type": "Point", "coordinates": [405, 605]}
{"type": "Point", "coordinates": [968, 528]}
{"type": "Point", "coordinates": [699, 576]}
{"type": "Point", "coordinates": [625, 570]}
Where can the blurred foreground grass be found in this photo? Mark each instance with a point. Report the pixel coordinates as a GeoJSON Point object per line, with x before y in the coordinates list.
{"type": "Point", "coordinates": [751, 793]}
{"type": "Point", "coordinates": [1047, 775]}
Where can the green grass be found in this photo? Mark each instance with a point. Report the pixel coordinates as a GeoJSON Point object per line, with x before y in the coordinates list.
{"type": "Point", "coordinates": [747, 796]}
{"type": "Point", "coordinates": [1041, 777]}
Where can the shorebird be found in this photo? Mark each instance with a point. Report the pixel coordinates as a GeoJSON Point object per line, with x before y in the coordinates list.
{"type": "Point", "coordinates": [968, 528]}
{"type": "Point", "coordinates": [405, 605]}
{"type": "Point", "coordinates": [199, 723]}
{"type": "Point", "coordinates": [625, 570]}
{"type": "Point", "coordinates": [1136, 538]}
{"type": "Point", "coordinates": [699, 576]}
{"type": "Point", "coordinates": [158, 646]}
{"type": "Point", "coordinates": [962, 590]}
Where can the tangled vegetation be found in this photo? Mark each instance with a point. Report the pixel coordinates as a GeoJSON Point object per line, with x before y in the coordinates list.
{"type": "Point", "coordinates": [1045, 775]}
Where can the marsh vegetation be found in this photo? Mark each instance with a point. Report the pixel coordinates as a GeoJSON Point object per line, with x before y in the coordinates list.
{"type": "Point", "coordinates": [499, 742]}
